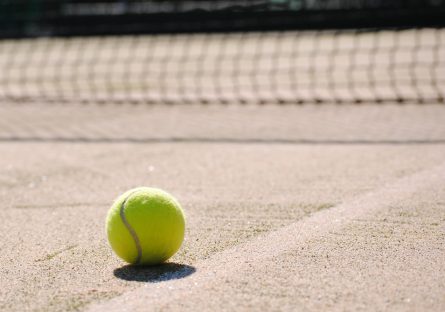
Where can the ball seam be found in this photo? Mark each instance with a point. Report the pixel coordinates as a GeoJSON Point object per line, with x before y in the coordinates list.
{"type": "Point", "coordinates": [130, 229]}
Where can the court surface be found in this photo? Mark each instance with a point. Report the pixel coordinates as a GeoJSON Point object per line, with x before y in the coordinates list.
{"type": "Point", "coordinates": [291, 208]}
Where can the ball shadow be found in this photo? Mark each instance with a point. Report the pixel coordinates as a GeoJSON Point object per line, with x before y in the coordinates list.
{"type": "Point", "coordinates": [154, 274]}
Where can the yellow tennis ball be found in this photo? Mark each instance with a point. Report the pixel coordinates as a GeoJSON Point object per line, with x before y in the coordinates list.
{"type": "Point", "coordinates": [145, 226]}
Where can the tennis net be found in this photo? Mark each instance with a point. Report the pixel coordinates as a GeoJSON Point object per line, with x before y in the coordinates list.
{"type": "Point", "coordinates": [290, 51]}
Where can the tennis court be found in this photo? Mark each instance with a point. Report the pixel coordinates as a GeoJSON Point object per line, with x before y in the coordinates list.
{"type": "Point", "coordinates": [305, 141]}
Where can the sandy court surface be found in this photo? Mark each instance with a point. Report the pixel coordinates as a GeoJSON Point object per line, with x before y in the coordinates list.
{"type": "Point", "coordinates": [288, 207]}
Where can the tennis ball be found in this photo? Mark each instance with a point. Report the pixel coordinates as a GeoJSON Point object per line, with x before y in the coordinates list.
{"type": "Point", "coordinates": [145, 226]}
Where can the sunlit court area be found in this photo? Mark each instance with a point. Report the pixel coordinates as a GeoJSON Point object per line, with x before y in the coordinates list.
{"type": "Point", "coordinates": [264, 155]}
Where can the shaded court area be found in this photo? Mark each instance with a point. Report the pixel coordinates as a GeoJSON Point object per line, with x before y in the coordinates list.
{"type": "Point", "coordinates": [314, 207]}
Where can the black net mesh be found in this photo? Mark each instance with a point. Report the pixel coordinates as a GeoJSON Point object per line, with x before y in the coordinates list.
{"type": "Point", "coordinates": [273, 51]}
